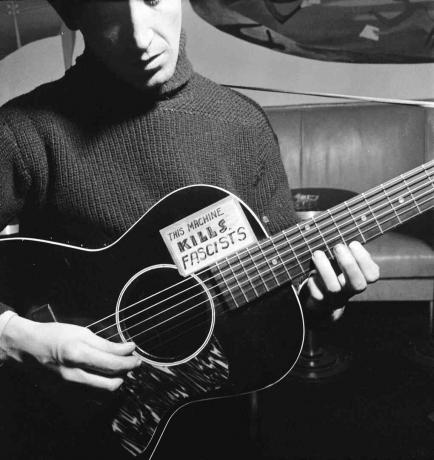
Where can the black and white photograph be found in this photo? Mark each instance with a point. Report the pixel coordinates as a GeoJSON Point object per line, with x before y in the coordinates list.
{"type": "Point", "coordinates": [217, 229]}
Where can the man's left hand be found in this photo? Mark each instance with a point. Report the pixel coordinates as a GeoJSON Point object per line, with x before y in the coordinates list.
{"type": "Point", "coordinates": [327, 290]}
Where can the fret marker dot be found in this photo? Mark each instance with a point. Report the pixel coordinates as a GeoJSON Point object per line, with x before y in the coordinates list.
{"type": "Point", "coordinates": [363, 218]}
{"type": "Point", "coordinates": [274, 261]}
{"type": "Point", "coordinates": [401, 199]}
{"type": "Point", "coordinates": [307, 227]}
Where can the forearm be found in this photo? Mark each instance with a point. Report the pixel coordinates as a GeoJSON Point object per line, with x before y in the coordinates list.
{"type": "Point", "coordinates": [74, 352]}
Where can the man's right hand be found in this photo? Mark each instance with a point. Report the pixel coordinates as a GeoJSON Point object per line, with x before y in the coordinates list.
{"type": "Point", "coordinates": [74, 352]}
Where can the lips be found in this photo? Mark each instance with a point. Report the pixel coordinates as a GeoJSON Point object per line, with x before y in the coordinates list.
{"type": "Point", "coordinates": [154, 56]}
{"type": "Point", "coordinates": [145, 60]}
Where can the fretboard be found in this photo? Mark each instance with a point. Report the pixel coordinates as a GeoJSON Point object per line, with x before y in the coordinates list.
{"type": "Point", "coordinates": [287, 255]}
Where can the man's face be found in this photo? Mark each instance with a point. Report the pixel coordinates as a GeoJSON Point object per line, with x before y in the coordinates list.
{"type": "Point", "coordinates": [138, 40]}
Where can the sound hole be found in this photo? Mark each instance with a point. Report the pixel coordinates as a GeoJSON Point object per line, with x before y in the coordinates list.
{"type": "Point", "coordinates": [167, 316]}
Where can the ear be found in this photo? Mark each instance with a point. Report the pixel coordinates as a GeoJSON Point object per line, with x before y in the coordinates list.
{"type": "Point", "coordinates": [69, 11]}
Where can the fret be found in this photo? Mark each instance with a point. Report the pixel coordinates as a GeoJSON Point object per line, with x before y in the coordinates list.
{"type": "Point", "coordinates": [322, 237]}
{"type": "Point", "coordinates": [407, 203]}
{"type": "Point", "coordinates": [228, 288]}
{"type": "Point", "coordinates": [295, 253]}
{"type": "Point", "coordinates": [429, 176]}
{"type": "Point", "coordinates": [400, 199]}
{"type": "Point", "coordinates": [373, 213]}
{"type": "Point", "coordinates": [307, 227]}
{"type": "Point", "coordinates": [355, 222]}
{"type": "Point", "coordinates": [235, 278]}
{"type": "Point", "coordinates": [271, 267]}
{"type": "Point", "coordinates": [336, 226]}
{"type": "Point", "coordinates": [427, 204]}
{"type": "Point", "coordinates": [411, 192]}
{"type": "Point", "coordinates": [250, 279]}
{"type": "Point", "coordinates": [280, 257]}
{"type": "Point", "coordinates": [409, 209]}
{"type": "Point", "coordinates": [259, 273]}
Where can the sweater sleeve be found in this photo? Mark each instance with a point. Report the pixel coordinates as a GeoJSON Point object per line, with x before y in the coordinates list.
{"type": "Point", "coordinates": [273, 198]}
{"type": "Point", "coordinates": [14, 184]}
{"type": "Point", "coordinates": [14, 178]}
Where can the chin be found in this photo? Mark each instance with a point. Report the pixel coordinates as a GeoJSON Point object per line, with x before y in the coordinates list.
{"type": "Point", "coordinates": [146, 82]}
{"type": "Point", "coordinates": [159, 79]}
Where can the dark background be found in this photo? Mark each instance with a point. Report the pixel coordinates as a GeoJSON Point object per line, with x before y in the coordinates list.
{"type": "Point", "coordinates": [377, 409]}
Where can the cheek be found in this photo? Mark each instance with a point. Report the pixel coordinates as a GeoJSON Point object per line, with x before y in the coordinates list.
{"type": "Point", "coordinates": [101, 28]}
{"type": "Point", "coordinates": [171, 17]}
{"type": "Point", "coordinates": [174, 28]}
{"type": "Point", "coordinates": [106, 44]}
{"type": "Point", "coordinates": [111, 35]}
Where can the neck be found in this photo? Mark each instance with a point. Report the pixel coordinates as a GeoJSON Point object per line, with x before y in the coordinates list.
{"type": "Point", "coordinates": [287, 256]}
{"type": "Point", "coordinates": [100, 80]}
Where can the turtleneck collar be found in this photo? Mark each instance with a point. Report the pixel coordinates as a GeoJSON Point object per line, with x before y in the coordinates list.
{"type": "Point", "coordinates": [97, 79]}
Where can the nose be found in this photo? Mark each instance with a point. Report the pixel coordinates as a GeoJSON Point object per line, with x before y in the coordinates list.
{"type": "Point", "coordinates": [142, 21]}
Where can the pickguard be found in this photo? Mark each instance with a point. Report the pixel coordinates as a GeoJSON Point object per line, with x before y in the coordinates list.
{"type": "Point", "coordinates": [152, 393]}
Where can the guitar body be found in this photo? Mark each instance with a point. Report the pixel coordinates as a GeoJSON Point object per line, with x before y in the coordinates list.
{"type": "Point", "coordinates": [192, 346]}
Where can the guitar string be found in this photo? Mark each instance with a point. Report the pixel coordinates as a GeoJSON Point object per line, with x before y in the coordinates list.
{"type": "Point", "coordinates": [185, 311]}
{"type": "Point", "coordinates": [372, 192]}
{"type": "Point", "coordinates": [226, 261]}
{"type": "Point", "coordinates": [164, 300]}
{"type": "Point", "coordinates": [195, 287]}
{"type": "Point", "coordinates": [200, 314]}
{"type": "Point", "coordinates": [135, 325]}
{"type": "Point", "coordinates": [284, 234]}
{"type": "Point", "coordinates": [201, 293]}
{"type": "Point", "coordinates": [203, 313]}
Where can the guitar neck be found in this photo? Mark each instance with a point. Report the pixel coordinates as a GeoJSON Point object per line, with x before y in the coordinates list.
{"type": "Point", "coordinates": [287, 255]}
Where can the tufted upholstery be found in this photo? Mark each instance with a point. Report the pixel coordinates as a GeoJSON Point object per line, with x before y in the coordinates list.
{"type": "Point", "coordinates": [356, 147]}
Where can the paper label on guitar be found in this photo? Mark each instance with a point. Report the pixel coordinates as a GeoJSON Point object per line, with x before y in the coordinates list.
{"type": "Point", "coordinates": [209, 235]}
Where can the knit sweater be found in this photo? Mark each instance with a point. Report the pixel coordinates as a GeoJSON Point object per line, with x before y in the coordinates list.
{"type": "Point", "coordinates": [83, 158]}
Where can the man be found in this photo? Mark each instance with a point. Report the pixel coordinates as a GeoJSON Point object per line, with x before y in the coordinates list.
{"type": "Point", "coordinates": [83, 158]}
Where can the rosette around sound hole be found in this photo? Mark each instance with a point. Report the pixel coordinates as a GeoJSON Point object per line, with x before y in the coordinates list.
{"type": "Point", "coordinates": [170, 318]}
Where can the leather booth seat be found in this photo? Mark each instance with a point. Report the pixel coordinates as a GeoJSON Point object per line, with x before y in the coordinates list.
{"type": "Point", "coordinates": [356, 147]}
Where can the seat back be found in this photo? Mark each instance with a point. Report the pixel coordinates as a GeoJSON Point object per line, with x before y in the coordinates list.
{"type": "Point", "coordinates": [351, 146]}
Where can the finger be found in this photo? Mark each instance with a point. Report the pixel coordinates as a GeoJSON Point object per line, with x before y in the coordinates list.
{"type": "Point", "coordinates": [76, 375]}
{"type": "Point", "coordinates": [369, 268]}
{"type": "Point", "coordinates": [314, 289]}
{"type": "Point", "coordinates": [117, 348]}
{"type": "Point", "coordinates": [326, 272]}
{"type": "Point", "coordinates": [355, 280]}
{"type": "Point", "coordinates": [87, 357]}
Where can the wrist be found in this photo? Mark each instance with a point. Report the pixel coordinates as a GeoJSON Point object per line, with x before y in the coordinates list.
{"type": "Point", "coordinates": [5, 317]}
{"type": "Point", "coordinates": [16, 334]}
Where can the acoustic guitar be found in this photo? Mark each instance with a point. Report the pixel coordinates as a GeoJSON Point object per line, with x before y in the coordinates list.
{"type": "Point", "coordinates": [205, 293]}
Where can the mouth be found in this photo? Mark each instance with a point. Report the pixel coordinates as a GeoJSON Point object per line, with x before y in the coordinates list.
{"type": "Point", "coordinates": [152, 62]}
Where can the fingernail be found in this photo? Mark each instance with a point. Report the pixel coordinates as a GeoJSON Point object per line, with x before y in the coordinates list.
{"type": "Point", "coordinates": [339, 248]}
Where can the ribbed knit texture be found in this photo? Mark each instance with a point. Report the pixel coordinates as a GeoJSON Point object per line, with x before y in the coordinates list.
{"type": "Point", "coordinates": [81, 159]}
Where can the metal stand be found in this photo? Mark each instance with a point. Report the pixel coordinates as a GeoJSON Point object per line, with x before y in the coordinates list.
{"type": "Point", "coordinates": [319, 363]}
